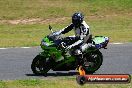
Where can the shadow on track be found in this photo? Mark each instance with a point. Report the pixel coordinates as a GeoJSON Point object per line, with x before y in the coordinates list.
{"type": "Point", "coordinates": [56, 74]}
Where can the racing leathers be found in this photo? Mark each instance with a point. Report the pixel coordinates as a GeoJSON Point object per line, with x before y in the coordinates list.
{"type": "Point", "coordinates": [82, 34]}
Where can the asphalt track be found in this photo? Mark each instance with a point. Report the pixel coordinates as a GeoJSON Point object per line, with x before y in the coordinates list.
{"type": "Point", "coordinates": [15, 62]}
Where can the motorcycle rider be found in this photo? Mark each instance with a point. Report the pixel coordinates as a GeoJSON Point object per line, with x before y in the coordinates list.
{"type": "Point", "coordinates": [82, 33]}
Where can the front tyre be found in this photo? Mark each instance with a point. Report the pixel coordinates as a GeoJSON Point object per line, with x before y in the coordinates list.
{"type": "Point", "coordinates": [92, 61]}
{"type": "Point", "coordinates": [39, 65]}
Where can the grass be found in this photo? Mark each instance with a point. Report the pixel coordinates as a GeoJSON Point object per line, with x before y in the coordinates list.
{"type": "Point", "coordinates": [118, 28]}
{"type": "Point", "coordinates": [112, 18]}
{"type": "Point", "coordinates": [17, 9]}
{"type": "Point", "coordinates": [56, 83]}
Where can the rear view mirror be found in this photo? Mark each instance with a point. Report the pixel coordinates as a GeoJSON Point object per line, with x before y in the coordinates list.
{"type": "Point", "coordinates": [50, 27]}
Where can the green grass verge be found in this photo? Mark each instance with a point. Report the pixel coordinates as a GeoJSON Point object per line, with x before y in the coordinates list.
{"type": "Point", "coordinates": [18, 9]}
{"type": "Point", "coordinates": [59, 82]}
{"type": "Point", "coordinates": [112, 18]}
{"type": "Point", "coordinates": [26, 9]}
{"type": "Point", "coordinates": [118, 28]}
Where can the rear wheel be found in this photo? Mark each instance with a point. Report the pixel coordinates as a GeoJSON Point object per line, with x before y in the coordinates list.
{"type": "Point", "coordinates": [92, 61]}
{"type": "Point", "coordinates": [40, 66]}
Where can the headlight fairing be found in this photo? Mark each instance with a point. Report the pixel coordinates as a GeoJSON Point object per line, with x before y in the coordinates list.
{"type": "Point", "coordinates": [43, 43]}
{"type": "Point", "coordinates": [46, 42]}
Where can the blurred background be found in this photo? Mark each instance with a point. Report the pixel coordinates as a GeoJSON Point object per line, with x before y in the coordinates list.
{"type": "Point", "coordinates": [25, 22]}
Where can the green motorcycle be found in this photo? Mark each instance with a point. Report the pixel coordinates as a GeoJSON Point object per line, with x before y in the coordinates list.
{"type": "Point", "coordinates": [55, 56]}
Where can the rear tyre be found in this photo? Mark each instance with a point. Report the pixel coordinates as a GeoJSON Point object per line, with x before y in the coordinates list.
{"type": "Point", "coordinates": [39, 66]}
{"type": "Point", "coordinates": [92, 62]}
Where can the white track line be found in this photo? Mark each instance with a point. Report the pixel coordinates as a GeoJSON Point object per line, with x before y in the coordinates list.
{"type": "Point", "coordinates": [38, 46]}
{"type": "Point", "coordinates": [116, 43]}
{"type": "Point", "coordinates": [16, 47]}
{"type": "Point", "coordinates": [3, 48]}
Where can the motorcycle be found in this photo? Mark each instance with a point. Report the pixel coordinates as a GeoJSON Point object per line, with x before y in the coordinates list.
{"type": "Point", "coordinates": [55, 56]}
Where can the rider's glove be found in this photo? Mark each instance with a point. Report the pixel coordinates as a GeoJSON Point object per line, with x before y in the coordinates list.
{"type": "Point", "coordinates": [57, 33]}
{"type": "Point", "coordinates": [63, 45]}
{"type": "Point", "coordinates": [69, 47]}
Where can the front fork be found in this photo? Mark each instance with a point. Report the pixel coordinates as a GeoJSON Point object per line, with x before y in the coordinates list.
{"type": "Point", "coordinates": [80, 68]}
{"type": "Point", "coordinates": [79, 61]}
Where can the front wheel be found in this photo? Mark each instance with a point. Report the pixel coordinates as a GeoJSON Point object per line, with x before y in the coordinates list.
{"type": "Point", "coordinates": [40, 66]}
{"type": "Point", "coordinates": [92, 61]}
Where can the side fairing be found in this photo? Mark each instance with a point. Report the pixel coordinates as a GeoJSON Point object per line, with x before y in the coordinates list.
{"type": "Point", "coordinates": [49, 49]}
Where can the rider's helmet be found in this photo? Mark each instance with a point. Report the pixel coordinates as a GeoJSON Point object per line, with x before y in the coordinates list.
{"type": "Point", "coordinates": [77, 19]}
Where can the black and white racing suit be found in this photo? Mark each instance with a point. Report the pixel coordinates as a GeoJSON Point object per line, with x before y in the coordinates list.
{"type": "Point", "coordinates": [80, 32]}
